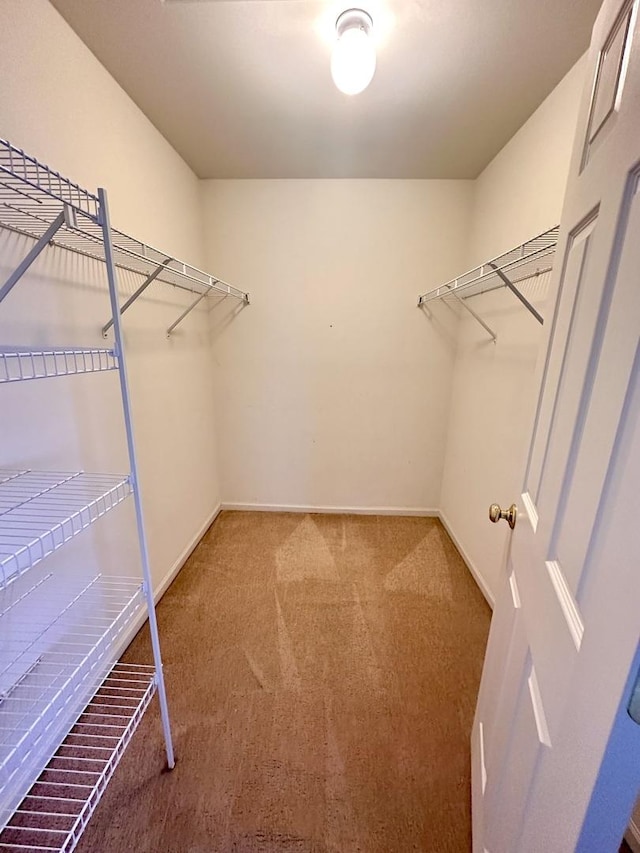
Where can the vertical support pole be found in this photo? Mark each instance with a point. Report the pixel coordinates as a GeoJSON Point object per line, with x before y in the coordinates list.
{"type": "Point", "coordinates": [126, 405]}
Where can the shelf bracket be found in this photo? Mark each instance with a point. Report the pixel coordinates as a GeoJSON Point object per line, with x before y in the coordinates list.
{"type": "Point", "coordinates": [422, 303]}
{"type": "Point", "coordinates": [145, 284]}
{"type": "Point", "coordinates": [477, 317]}
{"type": "Point", "coordinates": [62, 218]}
{"type": "Point", "coordinates": [187, 311]}
{"type": "Point", "coordinates": [507, 281]}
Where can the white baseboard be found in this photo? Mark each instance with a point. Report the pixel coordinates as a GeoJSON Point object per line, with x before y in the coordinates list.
{"type": "Point", "coordinates": [419, 512]}
{"type": "Point", "coordinates": [470, 564]}
{"type": "Point", "coordinates": [166, 581]}
{"type": "Point", "coordinates": [334, 510]}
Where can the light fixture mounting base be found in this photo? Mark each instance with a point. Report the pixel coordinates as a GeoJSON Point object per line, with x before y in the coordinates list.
{"type": "Point", "coordinates": [351, 18]}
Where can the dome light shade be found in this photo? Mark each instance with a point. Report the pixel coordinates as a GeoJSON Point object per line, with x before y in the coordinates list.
{"type": "Point", "coordinates": [353, 63]}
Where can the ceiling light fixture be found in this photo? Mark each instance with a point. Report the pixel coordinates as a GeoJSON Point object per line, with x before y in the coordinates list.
{"type": "Point", "coordinates": [353, 63]}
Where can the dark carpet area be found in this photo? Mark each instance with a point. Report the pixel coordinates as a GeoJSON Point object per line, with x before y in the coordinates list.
{"type": "Point", "coordinates": [322, 673]}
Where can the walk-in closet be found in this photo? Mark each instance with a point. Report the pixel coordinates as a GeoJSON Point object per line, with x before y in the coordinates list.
{"type": "Point", "coordinates": [319, 426]}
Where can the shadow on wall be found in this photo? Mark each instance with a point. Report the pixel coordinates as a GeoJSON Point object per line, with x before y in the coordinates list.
{"type": "Point", "coordinates": [220, 319]}
{"type": "Point", "coordinates": [445, 330]}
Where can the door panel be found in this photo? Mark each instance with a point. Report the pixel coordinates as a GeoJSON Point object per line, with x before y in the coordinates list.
{"type": "Point", "coordinates": [609, 81]}
{"type": "Point", "coordinates": [550, 639]}
{"type": "Point", "coordinates": [572, 778]}
{"type": "Point", "coordinates": [575, 264]}
{"type": "Point", "coordinates": [551, 711]}
{"type": "Point", "coordinates": [592, 437]}
{"type": "Point", "coordinates": [506, 799]}
{"type": "Point", "coordinates": [496, 728]}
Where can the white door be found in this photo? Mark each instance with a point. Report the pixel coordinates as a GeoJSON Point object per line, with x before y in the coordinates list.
{"type": "Point", "coordinates": [556, 757]}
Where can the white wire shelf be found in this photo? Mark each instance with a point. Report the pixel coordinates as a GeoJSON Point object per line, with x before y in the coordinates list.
{"type": "Point", "coordinates": [36, 188]}
{"type": "Point", "coordinates": [53, 661]}
{"type": "Point", "coordinates": [32, 196]}
{"type": "Point", "coordinates": [57, 808]}
{"type": "Point", "coordinates": [40, 511]}
{"type": "Point", "coordinates": [527, 260]}
{"type": "Point", "coordinates": [19, 364]}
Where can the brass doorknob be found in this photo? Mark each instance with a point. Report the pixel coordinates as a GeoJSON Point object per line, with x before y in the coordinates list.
{"type": "Point", "coordinates": [509, 515]}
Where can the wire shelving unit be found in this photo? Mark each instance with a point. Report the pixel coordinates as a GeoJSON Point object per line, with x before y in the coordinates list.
{"type": "Point", "coordinates": [67, 709]}
{"type": "Point", "coordinates": [530, 259]}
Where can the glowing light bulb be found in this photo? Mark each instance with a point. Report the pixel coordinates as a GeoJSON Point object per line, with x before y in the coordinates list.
{"type": "Point", "coordinates": [353, 63]}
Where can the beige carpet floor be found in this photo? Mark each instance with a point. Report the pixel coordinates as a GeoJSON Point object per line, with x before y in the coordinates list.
{"type": "Point", "coordinates": [322, 674]}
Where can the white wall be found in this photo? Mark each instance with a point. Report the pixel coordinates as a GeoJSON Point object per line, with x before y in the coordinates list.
{"type": "Point", "coordinates": [332, 389]}
{"type": "Point", "coordinates": [517, 196]}
{"type": "Point", "coordinates": [59, 104]}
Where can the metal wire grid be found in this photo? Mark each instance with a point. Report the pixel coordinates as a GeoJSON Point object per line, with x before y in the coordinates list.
{"type": "Point", "coordinates": [57, 809]}
{"type": "Point", "coordinates": [40, 511]}
{"type": "Point", "coordinates": [32, 195]}
{"type": "Point", "coordinates": [69, 652]}
{"type": "Point", "coordinates": [17, 365]}
{"type": "Point", "coordinates": [35, 188]}
{"type": "Point", "coordinates": [525, 259]}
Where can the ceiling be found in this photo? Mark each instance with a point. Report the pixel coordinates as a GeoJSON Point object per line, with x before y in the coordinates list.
{"type": "Point", "coordinates": [242, 88]}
